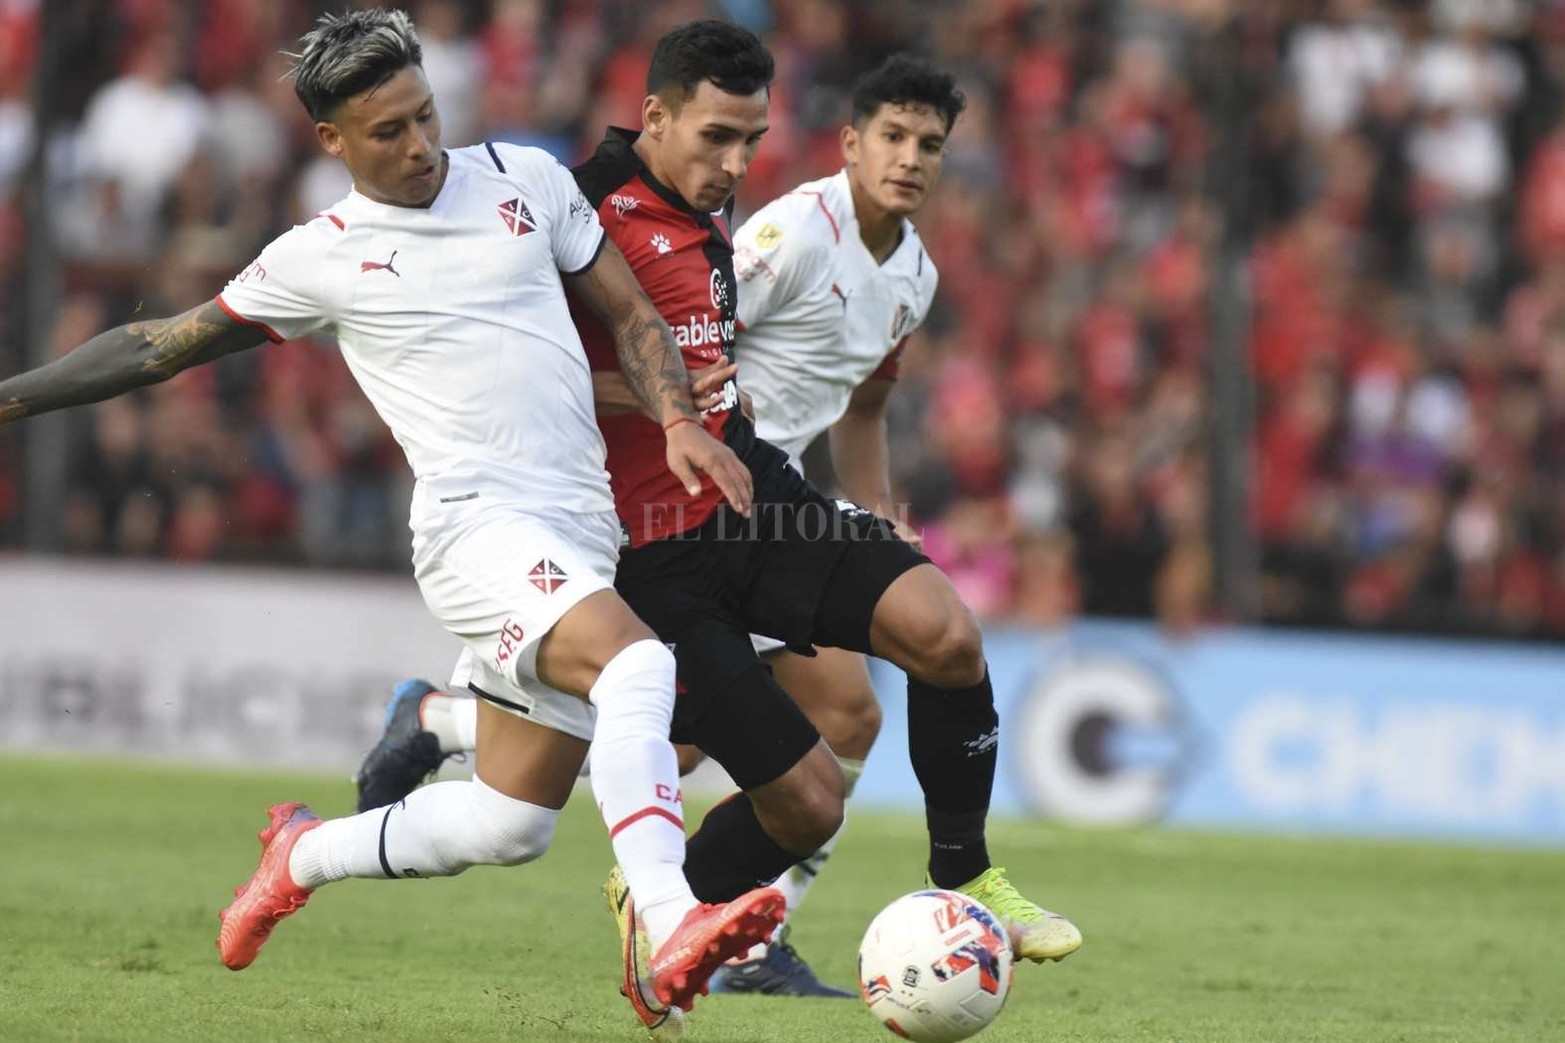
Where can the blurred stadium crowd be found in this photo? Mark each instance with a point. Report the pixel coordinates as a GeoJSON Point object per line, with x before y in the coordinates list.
{"type": "Point", "coordinates": [1388, 176]}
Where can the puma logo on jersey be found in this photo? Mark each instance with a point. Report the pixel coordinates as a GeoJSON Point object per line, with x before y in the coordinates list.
{"type": "Point", "coordinates": [376, 266]}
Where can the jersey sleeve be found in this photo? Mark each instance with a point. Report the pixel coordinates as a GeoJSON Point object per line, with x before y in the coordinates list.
{"type": "Point", "coordinates": [575, 233]}
{"type": "Point", "coordinates": [774, 256]}
{"type": "Point", "coordinates": [280, 292]}
{"type": "Point", "coordinates": [890, 366]}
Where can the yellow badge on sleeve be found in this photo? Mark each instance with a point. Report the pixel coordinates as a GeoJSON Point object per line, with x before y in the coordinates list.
{"type": "Point", "coordinates": [769, 236]}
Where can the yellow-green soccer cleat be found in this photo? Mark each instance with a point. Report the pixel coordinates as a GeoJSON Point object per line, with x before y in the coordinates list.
{"type": "Point", "coordinates": [1036, 934]}
{"type": "Point", "coordinates": [662, 1022]}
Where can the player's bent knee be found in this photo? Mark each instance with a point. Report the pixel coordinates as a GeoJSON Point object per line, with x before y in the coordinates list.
{"type": "Point", "coordinates": [850, 730]}
{"type": "Point", "coordinates": [820, 819]}
{"type": "Point", "coordinates": [587, 640]}
{"type": "Point", "coordinates": [506, 831]}
{"type": "Point", "coordinates": [954, 656]}
{"type": "Point", "coordinates": [866, 718]}
{"type": "Point", "coordinates": [750, 726]}
{"type": "Point", "coordinates": [807, 821]}
{"type": "Point", "coordinates": [640, 670]}
{"type": "Point", "coordinates": [804, 809]}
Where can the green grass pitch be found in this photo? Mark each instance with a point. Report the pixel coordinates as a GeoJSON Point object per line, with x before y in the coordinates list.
{"type": "Point", "coordinates": [111, 876]}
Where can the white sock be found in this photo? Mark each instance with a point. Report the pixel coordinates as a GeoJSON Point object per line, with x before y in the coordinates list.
{"type": "Point", "coordinates": [798, 879]}
{"type": "Point", "coordinates": [438, 830]}
{"type": "Point", "coordinates": [453, 719]}
{"type": "Point", "coordinates": [635, 778]}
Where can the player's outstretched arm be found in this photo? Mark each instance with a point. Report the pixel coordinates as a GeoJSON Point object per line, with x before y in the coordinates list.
{"type": "Point", "coordinates": [125, 358]}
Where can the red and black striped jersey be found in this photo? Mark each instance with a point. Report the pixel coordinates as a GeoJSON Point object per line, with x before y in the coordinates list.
{"type": "Point", "coordinates": [684, 259]}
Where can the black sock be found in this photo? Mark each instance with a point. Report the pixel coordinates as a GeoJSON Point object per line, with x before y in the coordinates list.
{"type": "Point", "coordinates": [953, 736]}
{"type": "Point", "coordinates": [731, 854]}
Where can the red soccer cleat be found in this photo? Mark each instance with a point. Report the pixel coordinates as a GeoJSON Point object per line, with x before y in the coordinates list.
{"type": "Point", "coordinates": [709, 936]}
{"type": "Point", "coordinates": [271, 893]}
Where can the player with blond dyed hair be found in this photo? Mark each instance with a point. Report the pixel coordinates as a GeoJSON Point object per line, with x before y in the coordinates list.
{"type": "Point", "coordinates": [442, 275]}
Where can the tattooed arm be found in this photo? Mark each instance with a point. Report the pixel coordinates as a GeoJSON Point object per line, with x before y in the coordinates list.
{"type": "Point", "coordinates": [648, 355]}
{"type": "Point", "coordinates": [611, 394]}
{"type": "Point", "coordinates": [656, 374]}
{"type": "Point", "coordinates": [125, 358]}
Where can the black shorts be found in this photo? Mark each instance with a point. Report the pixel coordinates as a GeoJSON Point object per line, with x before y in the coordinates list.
{"type": "Point", "coordinates": [804, 569]}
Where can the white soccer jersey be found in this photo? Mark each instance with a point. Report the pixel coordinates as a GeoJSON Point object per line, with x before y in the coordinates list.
{"type": "Point", "coordinates": [454, 322]}
{"type": "Point", "coordinates": [819, 315]}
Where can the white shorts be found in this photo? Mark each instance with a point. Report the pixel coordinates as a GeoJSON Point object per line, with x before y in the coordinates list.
{"type": "Point", "coordinates": [529, 699]}
{"type": "Point", "coordinates": [499, 578]}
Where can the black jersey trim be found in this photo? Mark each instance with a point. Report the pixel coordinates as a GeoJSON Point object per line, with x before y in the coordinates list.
{"type": "Point", "coordinates": [495, 156]}
{"type": "Point", "coordinates": [603, 238]}
{"type": "Point", "coordinates": [614, 163]}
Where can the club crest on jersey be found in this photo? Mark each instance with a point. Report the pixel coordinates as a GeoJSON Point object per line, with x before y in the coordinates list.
{"type": "Point", "coordinates": [518, 219]}
{"type": "Point", "coordinates": [547, 576]}
{"type": "Point", "coordinates": [903, 324]}
{"type": "Point", "coordinates": [719, 289]}
{"type": "Point", "coordinates": [623, 204]}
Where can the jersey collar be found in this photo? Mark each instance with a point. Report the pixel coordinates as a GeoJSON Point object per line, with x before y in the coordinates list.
{"type": "Point", "coordinates": [848, 217]}
{"type": "Point", "coordinates": [618, 145]}
{"type": "Point", "coordinates": [362, 200]}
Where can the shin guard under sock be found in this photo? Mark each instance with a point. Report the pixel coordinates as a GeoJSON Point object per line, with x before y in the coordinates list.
{"type": "Point", "coordinates": [953, 739]}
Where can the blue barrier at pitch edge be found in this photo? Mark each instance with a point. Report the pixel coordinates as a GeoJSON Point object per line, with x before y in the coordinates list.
{"type": "Point", "coordinates": [1111, 722]}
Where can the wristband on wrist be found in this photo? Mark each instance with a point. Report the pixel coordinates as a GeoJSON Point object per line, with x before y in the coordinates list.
{"type": "Point", "coordinates": [676, 422]}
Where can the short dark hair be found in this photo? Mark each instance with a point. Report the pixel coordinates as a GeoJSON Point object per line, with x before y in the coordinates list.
{"type": "Point", "coordinates": [346, 54]}
{"type": "Point", "coordinates": [732, 57]}
{"type": "Point", "coordinates": [904, 79]}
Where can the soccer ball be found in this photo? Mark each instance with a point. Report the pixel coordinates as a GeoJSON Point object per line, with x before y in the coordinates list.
{"type": "Point", "coordinates": [935, 966]}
